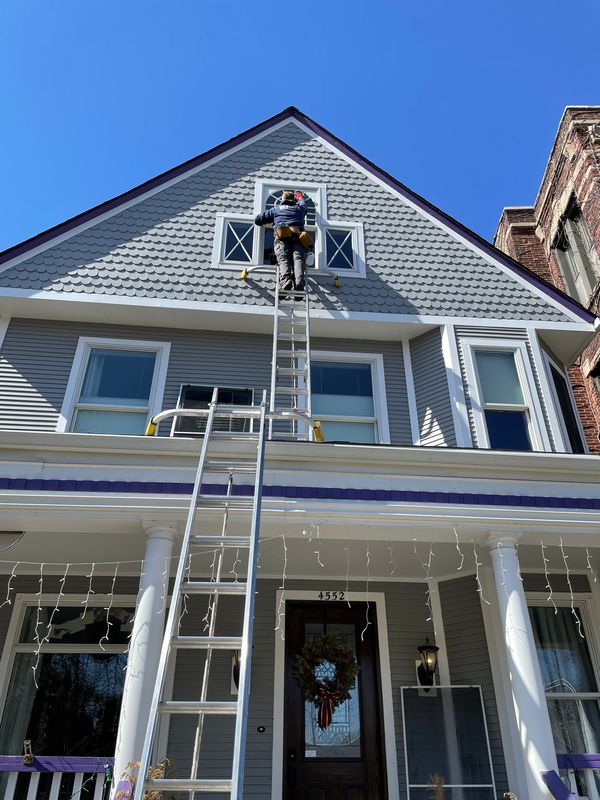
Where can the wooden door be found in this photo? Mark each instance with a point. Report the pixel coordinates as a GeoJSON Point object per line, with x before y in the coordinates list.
{"type": "Point", "coordinates": [345, 761]}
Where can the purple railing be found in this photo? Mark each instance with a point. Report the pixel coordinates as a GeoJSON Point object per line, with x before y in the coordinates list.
{"type": "Point", "coordinates": [97, 770]}
{"type": "Point", "coordinates": [571, 762]}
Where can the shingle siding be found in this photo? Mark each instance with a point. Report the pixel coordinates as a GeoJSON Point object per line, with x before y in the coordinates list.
{"type": "Point", "coordinates": [434, 411]}
{"type": "Point", "coordinates": [162, 246]}
{"type": "Point", "coordinates": [37, 356]}
{"type": "Point", "coordinates": [468, 658]}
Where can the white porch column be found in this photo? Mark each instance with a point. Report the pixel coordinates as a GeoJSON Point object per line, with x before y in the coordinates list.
{"type": "Point", "coordinates": [531, 711]}
{"type": "Point", "coordinates": [145, 646]}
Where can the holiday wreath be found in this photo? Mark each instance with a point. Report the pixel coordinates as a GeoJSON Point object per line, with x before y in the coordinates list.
{"type": "Point", "coordinates": [325, 670]}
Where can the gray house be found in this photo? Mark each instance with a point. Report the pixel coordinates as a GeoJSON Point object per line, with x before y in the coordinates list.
{"type": "Point", "coordinates": [444, 534]}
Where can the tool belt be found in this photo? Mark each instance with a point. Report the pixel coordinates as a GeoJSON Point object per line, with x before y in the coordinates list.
{"type": "Point", "coordinates": [285, 231]}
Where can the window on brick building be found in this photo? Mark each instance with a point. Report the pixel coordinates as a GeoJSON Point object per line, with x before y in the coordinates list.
{"type": "Point", "coordinates": [575, 254]}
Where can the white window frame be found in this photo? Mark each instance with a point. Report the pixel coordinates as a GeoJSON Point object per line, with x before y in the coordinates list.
{"type": "Point", "coordinates": [218, 255]}
{"type": "Point", "coordinates": [566, 444]}
{"type": "Point", "coordinates": [380, 420]}
{"type": "Point", "coordinates": [318, 193]}
{"type": "Point", "coordinates": [536, 425]}
{"type": "Point", "coordinates": [80, 362]}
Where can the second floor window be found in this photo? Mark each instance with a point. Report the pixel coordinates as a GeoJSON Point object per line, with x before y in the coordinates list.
{"type": "Point", "coordinates": [348, 397]}
{"type": "Point", "coordinates": [575, 254]}
{"type": "Point", "coordinates": [114, 386]}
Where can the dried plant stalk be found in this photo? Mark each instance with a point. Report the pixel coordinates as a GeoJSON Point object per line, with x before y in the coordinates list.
{"type": "Point", "coordinates": [435, 784]}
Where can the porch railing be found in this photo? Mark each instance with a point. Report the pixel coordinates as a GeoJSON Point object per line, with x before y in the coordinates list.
{"type": "Point", "coordinates": [82, 778]}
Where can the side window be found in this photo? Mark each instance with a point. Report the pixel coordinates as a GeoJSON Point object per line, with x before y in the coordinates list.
{"type": "Point", "coordinates": [566, 409]}
{"type": "Point", "coordinates": [506, 410]}
{"type": "Point", "coordinates": [114, 386]}
{"type": "Point", "coordinates": [575, 254]}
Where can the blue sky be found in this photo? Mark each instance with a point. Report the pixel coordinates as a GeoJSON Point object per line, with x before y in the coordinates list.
{"type": "Point", "coordinates": [459, 100]}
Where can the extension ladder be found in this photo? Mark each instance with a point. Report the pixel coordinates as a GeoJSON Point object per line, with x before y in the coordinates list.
{"type": "Point", "coordinates": [290, 365]}
{"type": "Point", "coordinates": [213, 589]}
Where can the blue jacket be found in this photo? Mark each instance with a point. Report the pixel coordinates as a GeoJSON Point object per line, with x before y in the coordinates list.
{"type": "Point", "coordinates": [292, 214]}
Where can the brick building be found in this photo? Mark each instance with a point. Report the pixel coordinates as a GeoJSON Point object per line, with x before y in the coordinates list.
{"type": "Point", "coordinates": [558, 237]}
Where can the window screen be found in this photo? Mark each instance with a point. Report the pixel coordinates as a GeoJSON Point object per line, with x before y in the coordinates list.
{"type": "Point", "coordinates": [192, 396]}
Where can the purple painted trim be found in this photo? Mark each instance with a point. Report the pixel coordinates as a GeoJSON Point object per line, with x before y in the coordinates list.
{"type": "Point", "coordinates": [556, 787]}
{"type": "Point", "coordinates": [304, 492]}
{"type": "Point", "coordinates": [291, 111]}
{"type": "Point", "coordinates": [55, 764]}
{"type": "Point", "coordinates": [579, 760]}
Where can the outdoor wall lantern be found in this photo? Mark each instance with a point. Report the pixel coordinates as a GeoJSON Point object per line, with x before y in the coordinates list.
{"type": "Point", "coordinates": [427, 667]}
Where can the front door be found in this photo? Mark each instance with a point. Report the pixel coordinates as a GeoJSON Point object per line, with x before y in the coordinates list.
{"type": "Point", "coordinates": [346, 760]}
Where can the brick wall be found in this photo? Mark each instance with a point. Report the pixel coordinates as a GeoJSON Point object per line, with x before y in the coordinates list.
{"type": "Point", "coordinates": [527, 234]}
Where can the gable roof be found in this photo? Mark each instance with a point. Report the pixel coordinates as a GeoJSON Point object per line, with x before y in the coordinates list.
{"type": "Point", "coordinates": [292, 113]}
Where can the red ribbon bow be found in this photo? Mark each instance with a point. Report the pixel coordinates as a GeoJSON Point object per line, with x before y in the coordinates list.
{"type": "Point", "coordinates": [326, 702]}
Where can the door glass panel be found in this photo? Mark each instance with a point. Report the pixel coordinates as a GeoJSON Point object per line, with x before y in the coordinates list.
{"type": "Point", "coordinates": [342, 739]}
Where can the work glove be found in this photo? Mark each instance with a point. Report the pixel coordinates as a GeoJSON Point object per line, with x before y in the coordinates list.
{"type": "Point", "coordinates": [299, 195]}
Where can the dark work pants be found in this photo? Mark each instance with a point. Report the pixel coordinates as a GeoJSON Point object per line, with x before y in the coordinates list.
{"type": "Point", "coordinates": [290, 254]}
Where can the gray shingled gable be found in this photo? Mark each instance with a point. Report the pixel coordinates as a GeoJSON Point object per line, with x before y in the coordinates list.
{"type": "Point", "coordinates": [161, 247]}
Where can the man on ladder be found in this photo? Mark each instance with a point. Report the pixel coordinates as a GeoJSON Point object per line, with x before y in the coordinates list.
{"type": "Point", "coordinates": [291, 240]}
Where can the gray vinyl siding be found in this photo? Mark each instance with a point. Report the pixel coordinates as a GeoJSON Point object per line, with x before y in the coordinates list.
{"type": "Point", "coordinates": [37, 356]}
{"type": "Point", "coordinates": [161, 247]}
{"type": "Point", "coordinates": [434, 410]}
{"type": "Point", "coordinates": [520, 334]}
{"type": "Point", "coordinates": [468, 658]}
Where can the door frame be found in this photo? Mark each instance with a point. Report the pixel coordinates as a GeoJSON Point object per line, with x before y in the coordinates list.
{"type": "Point", "coordinates": [389, 736]}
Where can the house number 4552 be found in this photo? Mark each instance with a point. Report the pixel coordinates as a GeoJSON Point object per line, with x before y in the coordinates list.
{"type": "Point", "coordinates": [331, 595]}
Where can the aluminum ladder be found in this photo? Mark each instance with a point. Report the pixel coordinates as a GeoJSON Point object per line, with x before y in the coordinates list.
{"type": "Point", "coordinates": [214, 589]}
{"type": "Point", "coordinates": [290, 366]}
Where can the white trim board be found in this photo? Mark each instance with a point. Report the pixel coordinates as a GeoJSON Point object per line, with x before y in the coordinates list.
{"type": "Point", "coordinates": [4, 323]}
{"type": "Point", "coordinates": [391, 761]}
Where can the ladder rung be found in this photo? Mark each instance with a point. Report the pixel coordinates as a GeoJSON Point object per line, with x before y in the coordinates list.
{"type": "Point", "coordinates": [296, 337]}
{"type": "Point", "coordinates": [233, 501]}
{"type": "Point", "coordinates": [206, 587]}
{"type": "Point", "coordinates": [291, 390]}
{"type": "Point", "coordinates": [198, 707]}
{"type": "Point", "coordinates": [284, 371]}
{"type": "Point", "coordinates": [224, 541]}
{"type": "Point", "coordinates": [206, 642]}
{"type": "Point", "coordinates": [189, 784]}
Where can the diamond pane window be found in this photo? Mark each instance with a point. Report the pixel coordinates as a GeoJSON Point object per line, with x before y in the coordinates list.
{"type": "Point", "coordinates": [239, 242]}
{"type": "Point", "coordinates": [340, 254]}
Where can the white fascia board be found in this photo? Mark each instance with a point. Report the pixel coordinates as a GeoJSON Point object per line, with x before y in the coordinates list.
{"type": "Point", "coordinates": [440, 224]}
{"type": "Point", "coordinates": [148, 307]}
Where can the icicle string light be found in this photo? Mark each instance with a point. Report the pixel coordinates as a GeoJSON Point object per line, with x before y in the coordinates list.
{"type": "Point", "coordinates": [478, 564]}
{"type": "Point", "coordinates": [209, 609]}
{"type": "Point", "coordinates": [165, 583]}
{"type": "Point", "coordinates": [367, 620]}
{"type": "Point", "coordinates": [184, 602]}
{"type": "Point", "coordinates": [9, 587]}
{"type": "Point", "coordinates": [61, 593]}
{"type": "Point", "coordinates": [460, 553]}
{"type": "Point", "coordinates": [426, 565]}
{"type": "Point", "coordinates": [519, 576]}
{"type": "Point", "coordinates": [236, 561]}
{"type": "Point", "coordinates": [90, 591]}
{"type": "Point", "coordinates": [317, 552]}
{"type": "Point", "coordinates": [38, 622]}
{"type": "Point", "coordinates": [281, 607]}
{"type": "Point", "coordinates": [588, 559]}
{"type": "Point", "coordinates": [347, 549]}
{"type": "Point", "coordinates": [108, 609]}
{"type": "Point", "coordinates": [391, 561]}
{"type": "Point", "coordinates": [572, 596]}
{"type": "Point", "coordinates": [550, 598]}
